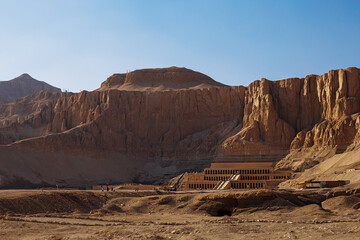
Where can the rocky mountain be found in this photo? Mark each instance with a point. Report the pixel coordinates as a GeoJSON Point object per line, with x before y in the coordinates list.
{"type": "Point", "coordinates": [151, 124]}
{"type": "Point", "coordinates": [22, 86]}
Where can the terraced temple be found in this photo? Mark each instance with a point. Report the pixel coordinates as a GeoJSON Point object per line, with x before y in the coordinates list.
{"type": "Point", "coordinates": [244, 175]}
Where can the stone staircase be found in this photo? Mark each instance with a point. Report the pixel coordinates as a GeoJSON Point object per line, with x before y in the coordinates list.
{"type": "Point", "coordinates": [179, 182]}
{"type": "Point", "coordinates": [226, 184]}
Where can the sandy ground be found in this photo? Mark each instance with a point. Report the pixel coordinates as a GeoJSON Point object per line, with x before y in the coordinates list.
{"type": "Point", "coordinates": [262, 214]}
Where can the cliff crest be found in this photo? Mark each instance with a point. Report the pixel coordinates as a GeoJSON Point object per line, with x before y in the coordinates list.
{"type": "Point", "coordinates": [159, 79]}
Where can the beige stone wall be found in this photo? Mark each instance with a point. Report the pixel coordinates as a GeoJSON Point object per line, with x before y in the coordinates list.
{"type": "Point", "coordinates": [252, 175]}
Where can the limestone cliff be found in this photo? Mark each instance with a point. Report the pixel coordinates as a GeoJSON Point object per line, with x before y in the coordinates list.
{"type": "Point", "coordinates": [154, 123]}
{"type": "Point", "coordinates": [293, 114]}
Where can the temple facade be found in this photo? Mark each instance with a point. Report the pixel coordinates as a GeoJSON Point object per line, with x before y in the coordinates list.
{"type": "Point", "coordinates": [241, 175]}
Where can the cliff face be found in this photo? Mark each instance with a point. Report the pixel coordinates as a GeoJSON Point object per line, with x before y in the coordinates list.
{"type": "Point", "coordinates": [313, 112]}
{"type": "Point", "coordinates": [178, 119]}
{"type": "Point", "coordinates": [337, 97]}
{"type": "Point", "coordinates": [138, 124]}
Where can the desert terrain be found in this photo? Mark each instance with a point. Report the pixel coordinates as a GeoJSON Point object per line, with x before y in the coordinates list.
{"type": "Point", "coordinates": [191, 120]}
{"type": "Point", "coordinates": [150, 125]}
{"type": "Point", "coordinates": [148, 214]}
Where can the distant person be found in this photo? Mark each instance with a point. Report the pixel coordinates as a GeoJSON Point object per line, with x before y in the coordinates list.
{"type": "Point", "coordinates": [102, 188]}
{"type": "Point", "coordinates": [107, 188]}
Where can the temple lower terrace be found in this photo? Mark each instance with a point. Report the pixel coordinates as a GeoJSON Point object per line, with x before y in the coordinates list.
{"type": "Point", "coordinates": [248, 175]}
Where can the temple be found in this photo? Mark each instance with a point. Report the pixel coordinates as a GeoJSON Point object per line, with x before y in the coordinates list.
{"type": "Point", "coordinates": [235, 175]}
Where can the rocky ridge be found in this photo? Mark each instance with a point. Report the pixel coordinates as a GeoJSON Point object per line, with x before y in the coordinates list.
{"type": "Point", "coordinates": [140, 117]}
{"type": "Point", "coordinates": [22, 86]}
{"type": "Point", "coordinates": [159, 79]}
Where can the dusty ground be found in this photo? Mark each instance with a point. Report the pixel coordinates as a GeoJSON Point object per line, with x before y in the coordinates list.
{"type": "Point", "coordinates": [258, 214]}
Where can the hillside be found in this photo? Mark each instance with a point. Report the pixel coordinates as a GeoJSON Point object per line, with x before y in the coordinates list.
{"type": "Point", "coordinates": [148, 125]}
{"type": "Point", "coordinates": [22, 86]}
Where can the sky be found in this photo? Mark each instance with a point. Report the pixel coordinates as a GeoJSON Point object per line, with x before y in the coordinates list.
{"type": "Point", "coordinates": [76, 44]}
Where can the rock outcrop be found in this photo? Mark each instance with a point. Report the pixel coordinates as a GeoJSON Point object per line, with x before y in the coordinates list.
{"type": "Point", "coordinates": [155, 123]}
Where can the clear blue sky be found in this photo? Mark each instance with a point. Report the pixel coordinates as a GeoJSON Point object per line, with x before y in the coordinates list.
{"type": "Point", "coordinates": [77, 44]}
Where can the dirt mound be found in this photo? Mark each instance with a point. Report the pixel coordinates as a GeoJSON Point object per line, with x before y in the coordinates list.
{"type": "Point", "coordinates": [147, 202]}
{"type": "Point", "coordinates": [308, 211]}
{"type": "Point", "coordinates": [52, 202]}
{"type": "Point", "coordinates": [341, 203]}
{"type": "Point", "coordinates": [227, 204]}
{"type": "Point", "coordinates": [216, 203]}
{"type": "Point", "coordinates": [180, 215]}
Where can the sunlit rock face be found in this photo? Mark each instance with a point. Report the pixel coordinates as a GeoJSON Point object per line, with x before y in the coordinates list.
{"type": "Point", "coordinates": [155, 123]}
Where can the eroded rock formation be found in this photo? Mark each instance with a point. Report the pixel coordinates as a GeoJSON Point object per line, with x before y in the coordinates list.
{"type": "Point", "coordinates": [177, 119]}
